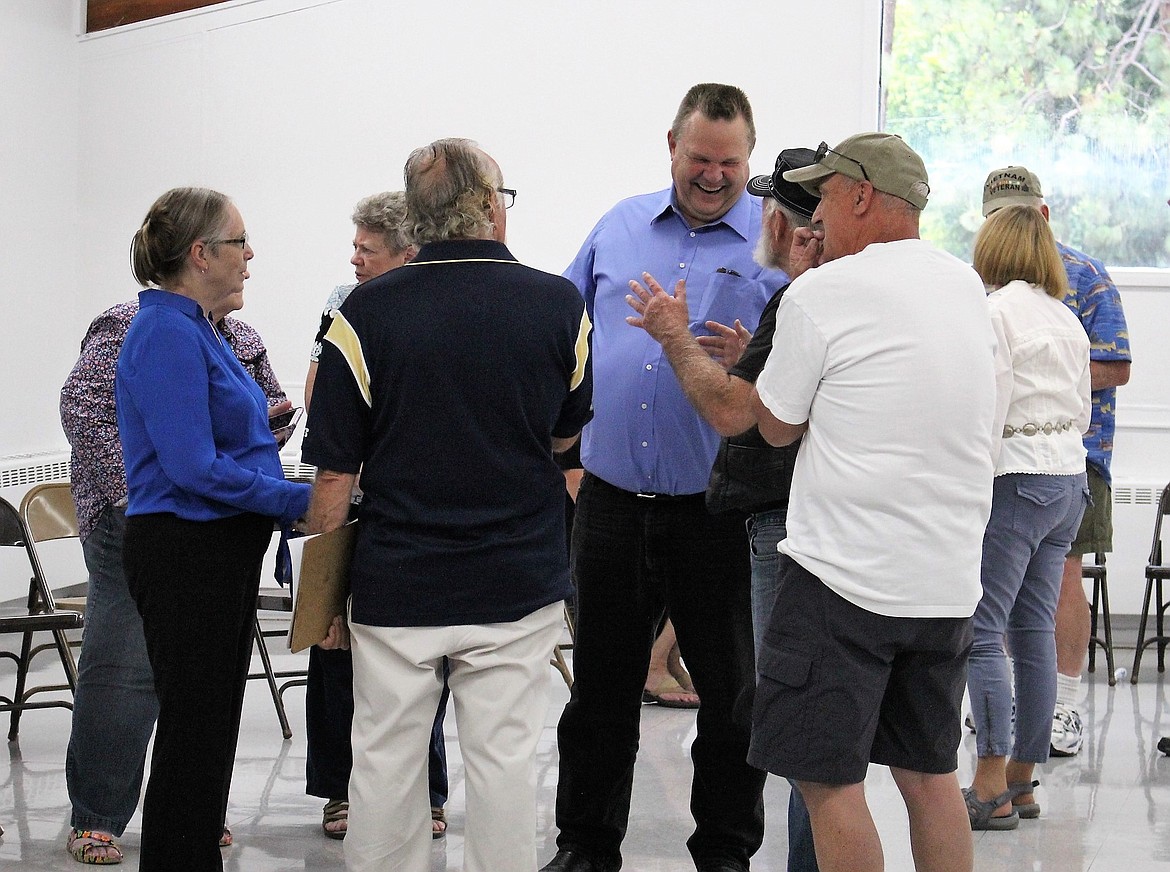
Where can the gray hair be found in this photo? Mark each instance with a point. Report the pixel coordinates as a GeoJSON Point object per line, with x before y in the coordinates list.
{"type": "Point", "coordinates": [385, 213]}
{"type": "Point", "coordinates": [794, 218]}
{"type": "Point", "coordinates": [763, 254]}
{"type": "Point", "coordinates": [158, 251]}
{"type": "Point", "coordinates": [450, 187]}
{"type": "Point", "coordinates": [894, 203]}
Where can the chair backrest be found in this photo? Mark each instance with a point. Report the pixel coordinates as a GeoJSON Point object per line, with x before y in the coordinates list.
{"type": "Point", "coordinates": [13, 532]}
{"type": "Point", "coordinates": [1163, 511]}
{"type": "Point", "coordinates": [11, 529]}
{"type": "Point", "coordinates": [48, 512]}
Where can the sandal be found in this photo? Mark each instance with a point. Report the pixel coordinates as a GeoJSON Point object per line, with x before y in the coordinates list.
{"type": "Point", "coordinates": [93, 848]}
{"type": "Point", "coordinates": [982, 812]}
{"type": "Point", "coordinates": [335, 811]}
{"type": "Point", "coordinates": [438, 822]}
{"type": "Point", "coordinates": [670, 688]}
{"type": "Point", "coordinates": [1026, 810]}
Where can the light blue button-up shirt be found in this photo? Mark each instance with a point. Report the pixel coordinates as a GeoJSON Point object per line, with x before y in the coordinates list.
{"type": "Point", "coordinates": [645, 436]}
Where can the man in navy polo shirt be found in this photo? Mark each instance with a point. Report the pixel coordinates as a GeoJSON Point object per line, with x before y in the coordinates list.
{"type": "Point", "coordinates": [449, 382]}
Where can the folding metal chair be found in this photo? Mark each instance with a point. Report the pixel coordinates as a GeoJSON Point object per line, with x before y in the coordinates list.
{"type": "Point", "coordinates": [1157, 571]}
{"type": "Point", "coordinates": [48, 514]}
{"type": "Point", "coordinates": [40, 615]}
{"type": "Point", "coordinates": [279, 680]}
{"type": "Point", "coordinates": [1100, 614]}
{"type": "Point", "coordinates": [558, 655]}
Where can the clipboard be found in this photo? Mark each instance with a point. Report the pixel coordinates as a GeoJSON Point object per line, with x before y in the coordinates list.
{"type": "Point", "coordinates": [320, 584]}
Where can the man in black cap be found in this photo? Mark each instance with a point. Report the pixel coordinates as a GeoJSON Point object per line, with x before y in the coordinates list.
{"type": "Point", "coordinates": [749, 475]}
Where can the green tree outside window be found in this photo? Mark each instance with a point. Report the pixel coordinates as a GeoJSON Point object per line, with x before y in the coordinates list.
{"type": "Point", "coordinates": [1076, 90]}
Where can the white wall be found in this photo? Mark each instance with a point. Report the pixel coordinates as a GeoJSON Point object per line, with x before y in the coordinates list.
{"type": "Point", "coordinates": [298, 109]}
{"type": "Point", "coordinates": [39, 210]}
{"type": "Point", "coordinates": [1141, 454]}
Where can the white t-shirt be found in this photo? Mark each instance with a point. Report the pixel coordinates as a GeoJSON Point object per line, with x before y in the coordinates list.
{"type": "Point", "coordinates": [889, 356]}
{"type": "Point", "coordinates": [1042, 369]}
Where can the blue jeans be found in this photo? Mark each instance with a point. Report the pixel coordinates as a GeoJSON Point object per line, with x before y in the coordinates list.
{"type": "Point", "coordinates": [1033, 521]}
{"type": "Point", "coordinates": [633, 559]}
{"type": "Point", "coordinates": [114, 708]}
{"type": "Point", "coordinates": [765, 532]}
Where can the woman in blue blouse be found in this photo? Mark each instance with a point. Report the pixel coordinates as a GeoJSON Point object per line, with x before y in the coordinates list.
{"type": "Point", "coordinates": [205, 485]}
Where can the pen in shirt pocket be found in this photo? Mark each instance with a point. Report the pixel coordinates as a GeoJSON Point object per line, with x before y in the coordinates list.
{"type": "Point", "coordinates": [726, 271]}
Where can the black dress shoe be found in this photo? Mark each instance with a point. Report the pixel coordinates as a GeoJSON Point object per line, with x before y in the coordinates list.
{"type": "Point", "coordinates": [571, 861]}
{"type": "Point", "coordinates": [722, 866]}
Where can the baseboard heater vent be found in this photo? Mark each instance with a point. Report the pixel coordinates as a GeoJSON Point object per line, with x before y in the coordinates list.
{"type": "Point", "coordinates": [1136, 495]}
{"type": "Point", "coordinates": [29, 469]}
{"type": "Point", "coordinates": [295, 469]}
{"type": "Point", "coordinates": [24, 471]}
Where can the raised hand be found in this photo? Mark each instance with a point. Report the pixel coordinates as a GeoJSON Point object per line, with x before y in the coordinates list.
{"type": "Point", "coordinates": [806, 251]}
{"type": "Point", "coordinates": [659, 313]}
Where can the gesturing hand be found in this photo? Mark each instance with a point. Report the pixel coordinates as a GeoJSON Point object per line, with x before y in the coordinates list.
{"type": "Point", "coordinates": [660, 313]}
{"type": "Point", "coordinates": [726, 345]}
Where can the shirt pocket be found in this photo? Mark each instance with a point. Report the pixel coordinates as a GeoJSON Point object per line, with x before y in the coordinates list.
{"type": "Point", "coordinates": [724, 297]}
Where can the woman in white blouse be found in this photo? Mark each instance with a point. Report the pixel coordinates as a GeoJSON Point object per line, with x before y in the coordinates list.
{"type": "Point", "coordinates": [1042, 367]}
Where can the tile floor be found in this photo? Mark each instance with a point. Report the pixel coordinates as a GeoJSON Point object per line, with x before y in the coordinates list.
{"type": "Point", "coordinates": [1106, 810]}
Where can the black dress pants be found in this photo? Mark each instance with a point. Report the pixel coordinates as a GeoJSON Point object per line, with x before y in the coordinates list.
{"type": "Point", "coordinates": [195, 584]}
{"type": "Point", "coordinates": [633, 558]}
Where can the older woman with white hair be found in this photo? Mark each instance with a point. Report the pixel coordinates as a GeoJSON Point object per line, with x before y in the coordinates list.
{"type": "Point", "coordinates": [382, 241]}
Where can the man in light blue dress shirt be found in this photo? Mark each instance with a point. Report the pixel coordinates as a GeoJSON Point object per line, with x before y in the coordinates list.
{"type": "Point", "coordinates": [643, 542]}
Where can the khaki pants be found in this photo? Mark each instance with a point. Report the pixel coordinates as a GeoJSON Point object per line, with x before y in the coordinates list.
{"type": "Point", "coordinates": [499, 682]}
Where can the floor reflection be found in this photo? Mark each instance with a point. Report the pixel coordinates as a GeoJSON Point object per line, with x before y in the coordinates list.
{"type": "Point", "coordinates": [1106, 810]}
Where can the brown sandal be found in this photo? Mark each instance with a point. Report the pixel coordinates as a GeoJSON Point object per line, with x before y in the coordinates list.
{"type": "Point", "coordinates": [438, 816]}
{"type": "Point", "coordinates": [335, 811]}
{"type": "Point", "coordinates": [84, 846]}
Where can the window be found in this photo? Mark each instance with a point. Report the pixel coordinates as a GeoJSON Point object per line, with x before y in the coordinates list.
{"type": "Point", "coordinates": [1075, 91]}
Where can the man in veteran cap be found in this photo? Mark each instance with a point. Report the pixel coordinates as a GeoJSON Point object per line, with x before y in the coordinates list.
{"type": "Point", "coordinates": [883, 362]}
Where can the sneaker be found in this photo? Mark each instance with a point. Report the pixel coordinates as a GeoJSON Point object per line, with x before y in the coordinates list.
{"type": "Point", "coordinates": [1067, 732]}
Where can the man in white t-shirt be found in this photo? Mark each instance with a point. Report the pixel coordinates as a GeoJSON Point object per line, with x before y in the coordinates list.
{"type": "Point", "coordinates": [883, 357]}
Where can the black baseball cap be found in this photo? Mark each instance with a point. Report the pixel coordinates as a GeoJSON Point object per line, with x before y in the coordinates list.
{"type": "Point", "coordinates": [787, 193]}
